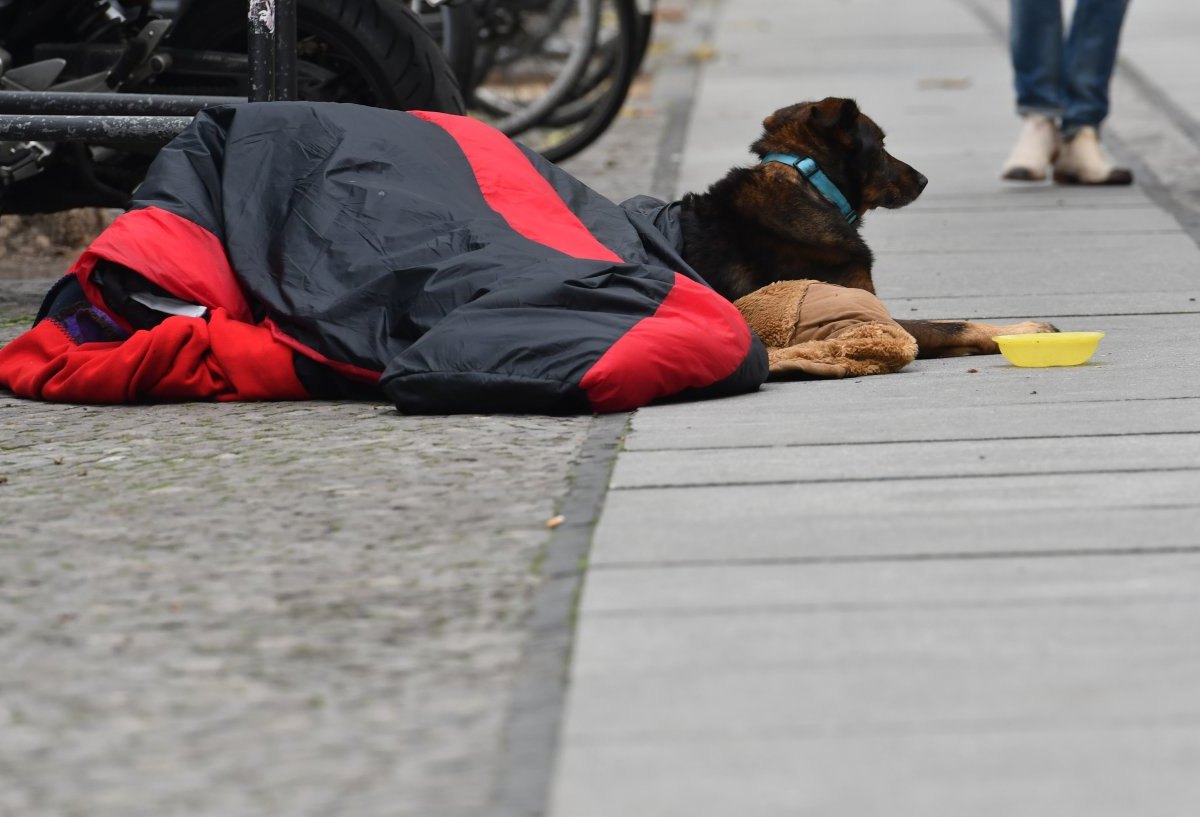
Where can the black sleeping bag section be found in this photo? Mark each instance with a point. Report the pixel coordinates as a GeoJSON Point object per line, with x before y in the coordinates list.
{"type": "Point", "coordinates": [420, 256]}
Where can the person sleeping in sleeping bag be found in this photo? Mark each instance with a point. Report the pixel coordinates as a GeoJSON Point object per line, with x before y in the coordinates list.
{"type": "Point", "coordinates": [318, 250]}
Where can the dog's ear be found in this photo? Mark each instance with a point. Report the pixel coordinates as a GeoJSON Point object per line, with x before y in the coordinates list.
{"type": "Point", "coordinates": [835, 112]}
{"type": "Point", "coordinates": [831, 112]}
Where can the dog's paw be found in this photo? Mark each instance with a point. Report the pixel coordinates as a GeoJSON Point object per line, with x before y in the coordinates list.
{"type": "Point", "coordinates": [1027, 328]}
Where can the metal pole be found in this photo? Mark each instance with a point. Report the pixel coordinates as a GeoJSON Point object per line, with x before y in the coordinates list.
{"type": "Point", "coordinates": [98, 104]}
{"type": "Point", "coordinates": [101, 129]}
{"type": "Point", "coordinates": [261, 49]}
{"type": "Point", "coordinates": [116, 119]}
{"type": "Point", "coordinates": [285, 49]}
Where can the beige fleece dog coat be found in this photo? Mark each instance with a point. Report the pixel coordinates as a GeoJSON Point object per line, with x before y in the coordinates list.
{"type": "Point", "coordinates": [821, 330]}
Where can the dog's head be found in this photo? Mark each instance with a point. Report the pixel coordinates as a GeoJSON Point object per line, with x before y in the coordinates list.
{"type": "Point", "coordinates": [848, 147]}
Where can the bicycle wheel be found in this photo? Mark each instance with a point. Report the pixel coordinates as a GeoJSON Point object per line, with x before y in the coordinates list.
{"type": "Point", "coordinates": [645, 10]}
{"type": "Point", "coordinates": [599, 98]}
{"type": "Point", "coordinates": [531, 53]}
{"type": "Point", "coordinates": [611, 61]}
{"type": "Point", "coordinates": [452, 25]}
{"type": "Point", "coordinates": [349, 51]}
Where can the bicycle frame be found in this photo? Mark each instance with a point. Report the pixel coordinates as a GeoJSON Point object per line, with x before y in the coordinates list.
{"type": "Point", "coordinates": [111, 118]}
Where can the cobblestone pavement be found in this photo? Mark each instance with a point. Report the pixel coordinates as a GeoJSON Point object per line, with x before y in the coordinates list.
{"type": "Point", "coordinates": [275, 609]}
{"type": "Point", "coordinates": [263, 609]}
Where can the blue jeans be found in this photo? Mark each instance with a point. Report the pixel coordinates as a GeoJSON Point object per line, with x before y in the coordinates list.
{"type": "Point", "coordinates": [1059, 77]}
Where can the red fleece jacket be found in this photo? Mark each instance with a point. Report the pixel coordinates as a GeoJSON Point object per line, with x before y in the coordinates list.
{"type": "Point", "coordinates": [179, 359]}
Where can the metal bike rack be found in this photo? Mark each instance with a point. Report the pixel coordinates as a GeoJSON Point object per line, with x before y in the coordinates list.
{"type": "Point", "coordinates": [114, 118]}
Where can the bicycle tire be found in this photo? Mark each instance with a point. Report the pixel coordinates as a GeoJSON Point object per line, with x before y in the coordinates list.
{"type": "Point", "coordinates": [645, 29]}
{"type": "Point", "coordinates": [394, 60]}
{"type": "Point", "coordinates": [453, 28]}
{"type": "Point", "coordinates": [607, 57]}
{"type": "Point", "coordinates": [512, 118]}
{"type": "Point", "coordinates": [605, 109]}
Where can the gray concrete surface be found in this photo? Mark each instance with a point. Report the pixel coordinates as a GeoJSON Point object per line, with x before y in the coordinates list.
{"type": "Point", "coordinates": [965, 589]}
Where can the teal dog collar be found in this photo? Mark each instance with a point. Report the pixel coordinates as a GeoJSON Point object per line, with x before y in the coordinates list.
{"type": "Point", "coordinates": [808, 168]}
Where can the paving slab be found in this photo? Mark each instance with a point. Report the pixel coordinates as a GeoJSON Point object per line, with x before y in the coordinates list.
{"type": "Point", "coordinates": [1055, 271]}
{"type": "Point", "coordinates": [1087, 306]}
{"type": "Point", "coordinates": [788, 505]}
{"type": "Point", "coordinates": [1157, 41]}
{"type": "Point", "coordinates": [1066, 243]}
{"type": "Point", "coordinates": [694, 527]}
{"type": "Point", "coordinates": [1103, 771]}
{"type": "Point", "coordinates": [919, 459]}
{"type": "Point", "coordinates": [913, 418]}
{"type": "Point", "coordinates": [786, 658]}
{"type": "Point", "coordinates": [1117, 222]}
{"type": "Point", "coordinates": [1064, 628]}
{"type": "Point", "coordinates": [1010, 196]}
{"type": "Point", "coordinates": [895, 584]}
{"type": "Point", "coordinates": [872, 686]}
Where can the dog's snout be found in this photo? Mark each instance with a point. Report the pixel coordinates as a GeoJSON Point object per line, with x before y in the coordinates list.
{"type": "Point", "coordinates": [921, 181]}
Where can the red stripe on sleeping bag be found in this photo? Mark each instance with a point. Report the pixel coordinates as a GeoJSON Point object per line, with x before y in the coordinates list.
{"type": "Point", "coordinates": [190, 263]}
{"type": "Point", "coordinates": [694, 339]}
{"type": "Point", "coordinates": [513, 188]}
{"type": "Point", "coordinates": [347, 369]}
{"type": "Point", "coordinates": [179, 359]}
{"type": "Point", "coordinates": [168, 250]}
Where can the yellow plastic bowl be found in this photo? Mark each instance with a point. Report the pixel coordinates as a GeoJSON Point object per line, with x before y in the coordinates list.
{"type": "Point", "coordinates": [1049, 348]}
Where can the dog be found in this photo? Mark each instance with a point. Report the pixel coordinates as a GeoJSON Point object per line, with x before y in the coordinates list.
{"type": "Point", "coordinates": [797, 214]}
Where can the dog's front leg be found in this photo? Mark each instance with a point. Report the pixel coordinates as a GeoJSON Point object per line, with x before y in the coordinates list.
{"type": "Point", "coordinates": [958, 338]}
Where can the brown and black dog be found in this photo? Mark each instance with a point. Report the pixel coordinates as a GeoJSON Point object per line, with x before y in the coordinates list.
{"type": "Point", "coordinates": [768, 223]}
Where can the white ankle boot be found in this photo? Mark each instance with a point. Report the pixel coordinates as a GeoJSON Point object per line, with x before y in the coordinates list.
{"type": "Point", "coordinates": [1082, 161]}
{"type": "Point", "coordinates": [1037, 147]}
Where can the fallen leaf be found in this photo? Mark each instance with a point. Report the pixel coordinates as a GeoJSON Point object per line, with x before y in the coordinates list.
{"type": "Point", "coordinates": [944, 83]}
{"type": "Point", "coordinates": [555, 521]}
{"type": "Point", "coordinates": [670, 14]}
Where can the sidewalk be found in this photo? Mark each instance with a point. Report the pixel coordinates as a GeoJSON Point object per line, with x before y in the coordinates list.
{"type": "Point", "coordinates": [942, 592]}
{"type": "Point", "coordinates": [966, 589]}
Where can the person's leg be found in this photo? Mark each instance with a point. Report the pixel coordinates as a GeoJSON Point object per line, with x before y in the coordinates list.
{"type": "Point", "coordinates": [1036, 48]}
{"type": "Point", "coordinates": [1088, 62]}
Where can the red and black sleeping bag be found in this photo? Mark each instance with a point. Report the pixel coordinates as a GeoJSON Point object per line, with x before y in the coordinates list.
{"type": "Point", "coordinates": [338, 250]}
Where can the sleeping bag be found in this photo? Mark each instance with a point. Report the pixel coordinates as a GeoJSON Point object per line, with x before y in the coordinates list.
{"type": "Point", "coordinates": [290, 250]}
